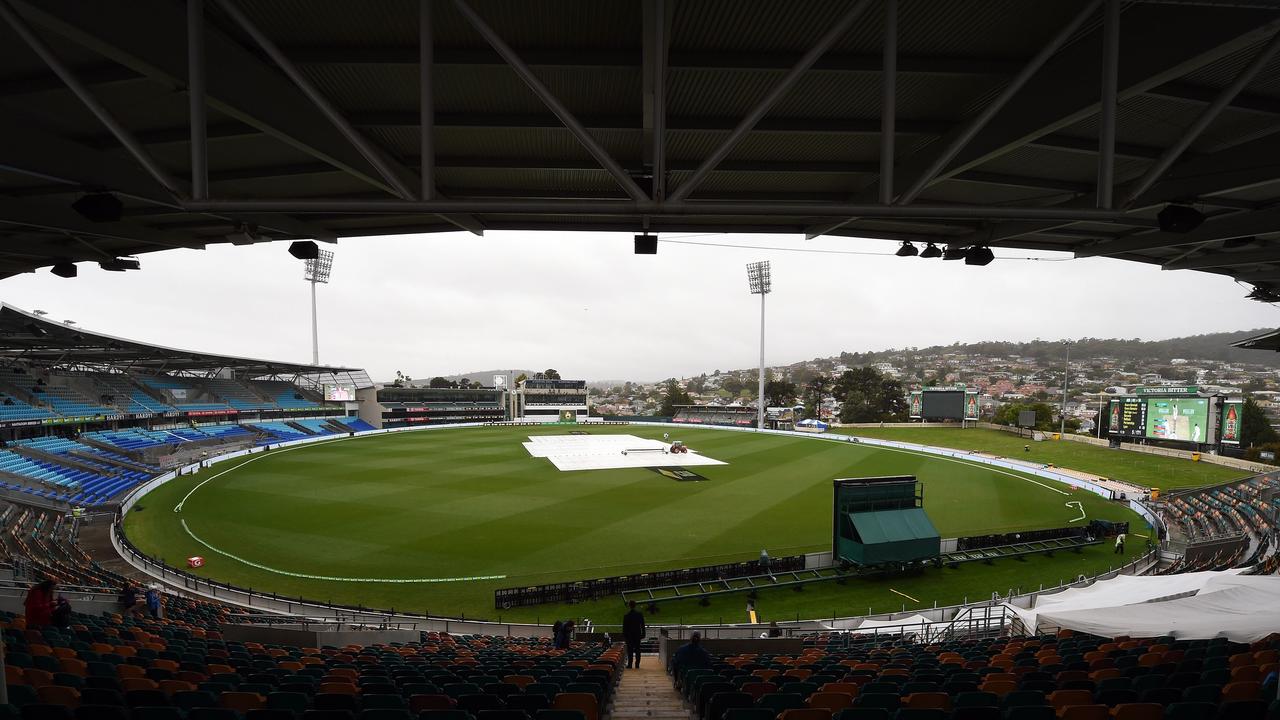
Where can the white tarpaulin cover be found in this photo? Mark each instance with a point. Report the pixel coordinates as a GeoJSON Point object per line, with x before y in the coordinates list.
{"type": "Point", "coordinates": [1118, 591]}
{"type": "Point", "coordinates": [606, 452]}
{"type": "Point", "coordinates": [1244, 608]}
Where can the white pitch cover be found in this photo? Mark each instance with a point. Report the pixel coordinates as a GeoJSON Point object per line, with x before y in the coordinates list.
{"type": "Point", "coordinates": [609, 452]}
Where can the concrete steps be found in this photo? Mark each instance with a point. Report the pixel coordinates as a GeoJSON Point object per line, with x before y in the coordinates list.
{"type": "Point", "coordinates": [646, 694]}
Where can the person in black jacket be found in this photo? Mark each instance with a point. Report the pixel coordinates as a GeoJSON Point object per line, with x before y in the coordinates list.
{"type": "Point", "coordinates": [633, 633]}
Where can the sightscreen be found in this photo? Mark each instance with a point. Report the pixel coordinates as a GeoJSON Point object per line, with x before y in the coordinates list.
{"type": "Point", "coordinates": [943, 405]}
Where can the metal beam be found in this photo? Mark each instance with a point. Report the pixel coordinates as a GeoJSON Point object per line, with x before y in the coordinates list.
{"type": "Point", "coordinates": [601, 155]}
{"type": "Point", "coordinates": [196, 91]}
{"type": "Point", "coordinates": [46, 54]}
{"type": "Point", "coordinates": [888, 100]}
{"type": "Point", "coordinates": [59, 219]}
{"type": "Point", "coordinates": [1270, 254]}
{"type": "Point", "coordinates": [629, 58]}
{"type": "Point", "coordinates": [959, 140]}
{"type": "Point", "coordinates": [766, 103]}
{"type": "Point", "coordinates": [393, 175]}
{"type": "Point", "coordinates": [1161, 44]}
{"type": "Point", "coordinates": [656, 33]}
{"type": "Point", "coordinates": [1107, 114]}
{"type": "Point", "coordinates": [1243, 78]}
{"type": "Point", "coordinates": [1088, 146]}
{"type": "Point", "coordinates": [1227, 226]}
{"type": "Point", "coordinates": [670, 207]}
{"type": "Point", "coordinates": [426, 99]}
{"type": "Point", "coordinates": [240, 85]}
{"type": "Point", "coordinates": [1203, 95]}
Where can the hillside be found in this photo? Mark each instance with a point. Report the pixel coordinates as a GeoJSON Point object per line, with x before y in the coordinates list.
{"type": "Point", "coordinates": [1210, 346]}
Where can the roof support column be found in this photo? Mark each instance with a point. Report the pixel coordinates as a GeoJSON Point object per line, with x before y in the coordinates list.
{"type": "Point", "coordinates": [130, 143]}
{"type": "Point", "coordinates": [426, 98]}
{"type": "Point", "coordinates": [196, 100]}
{"type": "Point", "coordinates": [981, 119]}
{"type": "Point", "coordinates": [1110, 84]}
{"type": "Point", "coordinates": [888, 100]}
{"type": "Point", "coordinates": [655, 101]}
{"type": "Point", "coordinates": [771, 98]}
{"type": "Point", "coordinates": [1210, 113]}
{"type": "Point", "coordinates": [601, 155]}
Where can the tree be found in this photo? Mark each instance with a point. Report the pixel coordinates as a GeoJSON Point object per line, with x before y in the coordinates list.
{"type": "Point", "coordinates": [549, 374]}
{"type": "Point", "coordinates": [521, 378]}
{"type": "Point", "coordinates": [870, 396]}
{"type": "Point", "coordinates": [399, 380]}
{"type": "Point", "coordinates": [439, 382]}
{"type": "Point", "coordinates": [672, 396]}
{"type": "Point", "coordinates": [778, 393]}
{"type": "Point", "coordinates": [732, 384]}
{"type": "Point", "coordinates": [1255, 427]}
{"type": "Point", "coordinates": [1045, 416]}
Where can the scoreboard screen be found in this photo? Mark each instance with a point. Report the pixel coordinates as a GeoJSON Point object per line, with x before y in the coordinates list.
{"type": "Point", "coordinates": [1178, 418]}
{"type": "Point", "coordinates": [1185, 419]}
{"type": "Point", "coordinates": [1128, 416]}
{"type": "Point", "coordinates": [944, 404]}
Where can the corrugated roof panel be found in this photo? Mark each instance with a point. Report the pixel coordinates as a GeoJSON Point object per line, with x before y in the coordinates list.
{"type": "Point", "coordinates": [1223, 72]}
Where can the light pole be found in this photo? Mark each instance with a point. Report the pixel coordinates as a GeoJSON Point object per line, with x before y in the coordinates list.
{"type": "Point", "coordinates": [1066, 378]}
{"type": "Point", "coordinates": [759, 282]}
{"type": "Point", "coordinates": [317, 271]}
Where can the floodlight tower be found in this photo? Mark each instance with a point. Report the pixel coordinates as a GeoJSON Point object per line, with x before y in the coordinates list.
{"type": "Point", "coordinates": [317, 271]}
{"type": "Point", "coordinates": [760, 284]}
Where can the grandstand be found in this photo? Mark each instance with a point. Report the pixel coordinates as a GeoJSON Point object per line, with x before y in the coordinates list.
{"type": "Point", "coordinates": [87, 416]}
{"type": "Point", "coordinates": [413, 406]}
{"type": "Point", "coordinates": [724, 415]}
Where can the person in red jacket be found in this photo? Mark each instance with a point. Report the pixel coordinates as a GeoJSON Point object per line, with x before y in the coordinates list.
{"type": "Point", "coordinates": [41, 599]}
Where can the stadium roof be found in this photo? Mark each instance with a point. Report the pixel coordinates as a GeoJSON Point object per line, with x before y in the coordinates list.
{"type": "Point", "coordinates": [31, 338]}
{"type": "Point", "coordinates": [313, 120]}
{"type": "Point", "coordinates": [1265, 341]}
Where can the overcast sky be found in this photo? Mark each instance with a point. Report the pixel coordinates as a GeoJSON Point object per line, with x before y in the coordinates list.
{"type": "Point", "coordinates": [585, 305]}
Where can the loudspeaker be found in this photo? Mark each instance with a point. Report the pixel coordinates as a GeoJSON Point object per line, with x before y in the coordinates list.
{"type": "Point", "coordinates": [64, 269]}
{"type": "Point", "coordinates": [120, 264]}
{"type": "Point", "coordinates": [99, 207]}
{"type": "Point", "coordinates": [304, 250]}
{"type": "Point", "coordinates": [1179, 218]}
{"type": "Point", "coordinates": [646, 245]}
{"type": "Point", "coordinates": [979, 255]}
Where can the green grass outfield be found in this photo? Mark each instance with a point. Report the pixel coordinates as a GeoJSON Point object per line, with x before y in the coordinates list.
{"type": "Point", "coordinates": [1142, 469]}
{"type": "Point", "coordinates": [471, 502]}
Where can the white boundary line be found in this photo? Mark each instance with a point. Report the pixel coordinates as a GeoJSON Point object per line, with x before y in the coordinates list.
{"type": "Point", "coordinates": [330, 577]}
{"type": "Point", "coordinates": [1080, 506]}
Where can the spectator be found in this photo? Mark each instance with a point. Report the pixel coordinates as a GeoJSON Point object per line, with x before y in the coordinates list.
{"type": "Point", "coordinates": [555, 633]}
{"type": "Point", "coordinates": [565, 638]}
{"type": "Point", "coordinates": [130, 603]}
{"type": "Point", "coordinates": [40, 602]}
{"type": "Point", "coordinates": [633, 633]}
{"type": "Point", "coordinates": [61, 613]}
{"type": "Point", "coordinates": [153, 602]}
{"type": "Point", "coordinates": [1120, 544]}
{"type": "Point", "coordinates": [690, 656]}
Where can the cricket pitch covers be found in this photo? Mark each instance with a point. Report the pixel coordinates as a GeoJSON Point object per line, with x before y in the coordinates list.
{"type": "Point", "coordinates": [608, 452]}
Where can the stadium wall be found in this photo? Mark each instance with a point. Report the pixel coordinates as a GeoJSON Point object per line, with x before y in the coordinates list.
{"type": "Point", "coordinates": [196, 586]}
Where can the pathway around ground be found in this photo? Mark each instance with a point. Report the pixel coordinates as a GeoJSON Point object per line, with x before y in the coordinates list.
{"type": "Point", "coordinates": [647, 694]}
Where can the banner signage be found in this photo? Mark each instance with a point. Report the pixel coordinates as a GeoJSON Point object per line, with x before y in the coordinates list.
{"type": "Point", "coordinates": [1229, 427]}
{"type": "Point", "coordinates": [1162, 390]}
{"type": "Point", "coordinates": [198, 413]}
{"type": "Point", "coordinates": [916, 405]}
{"type": "Point", "coordinates": [970, 405]}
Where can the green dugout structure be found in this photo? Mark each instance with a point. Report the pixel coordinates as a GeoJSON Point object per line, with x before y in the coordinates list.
{"type": "Point", "coordinates": [881, 521]}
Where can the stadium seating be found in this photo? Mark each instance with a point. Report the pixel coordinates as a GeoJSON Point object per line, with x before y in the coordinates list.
{"type": "Point", "coordinates": [128, 397]}
{"type": "Point", "coordinates": [284, 394]}
{"type": "Point", "coordinates": [238, 395]}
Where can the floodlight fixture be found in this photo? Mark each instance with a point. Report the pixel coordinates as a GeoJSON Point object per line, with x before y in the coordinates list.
{"type": "Point", "coordinates": [316, 270]}
{"type": "Point", "coordinates": [760, 283]}
{"type": "Point", "coordinates": [758, 278]}
{"type": "Point", "coordinates": [119, 264]}
{"type": "Point", "coordinates": [40, 313]}
{"type": "Point", "coordinates": [646, 244]}
{"type": "Point", "coordinates": [979, 255]}
{"type": "Point", "coordinates": [930, 251]}
{"type": "Point", "coordinates": [907, 250]}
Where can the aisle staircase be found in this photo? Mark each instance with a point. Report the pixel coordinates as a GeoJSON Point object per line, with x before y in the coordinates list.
{"type": "Point", "coordinates": [647, 694]}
